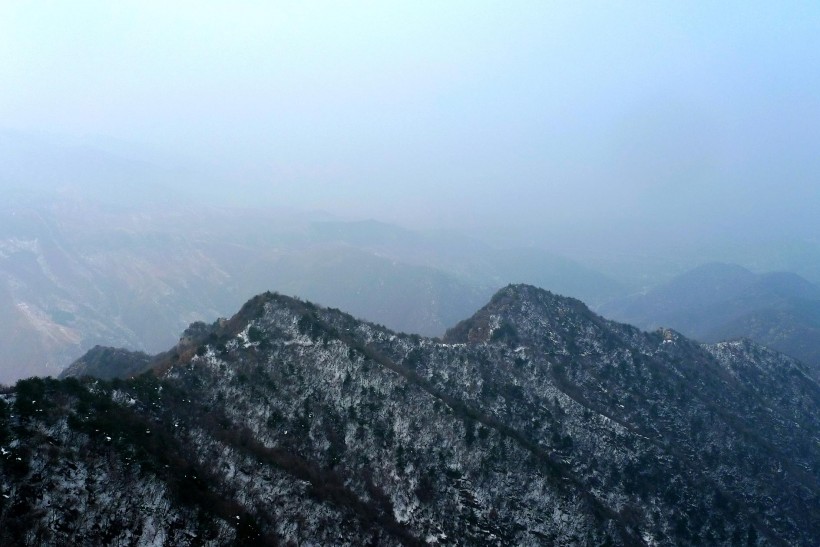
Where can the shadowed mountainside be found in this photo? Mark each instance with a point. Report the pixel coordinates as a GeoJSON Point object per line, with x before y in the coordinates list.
{"type": "Point", "coordinates": [717, 302]}
{"type": "Point", "coordinates": [533, 422]}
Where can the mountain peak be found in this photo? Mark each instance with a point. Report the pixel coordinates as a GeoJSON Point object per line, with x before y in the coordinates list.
{"type": "Point", "coordinates": [519, 313]}
{"type": "Point", "coordinates": [293, 423]}
{"type": "Point", "coordinates": [723, 301]}
{"type": "Point", "coordinates": [107, 362]}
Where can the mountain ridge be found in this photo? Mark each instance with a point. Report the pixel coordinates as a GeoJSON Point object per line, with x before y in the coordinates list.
{"type": "Point", "coordinates": [74, 274]}
{"type": "Point", "coordinates": [620, 436]}
{"type": "Point", "coordinates": [722, 301]}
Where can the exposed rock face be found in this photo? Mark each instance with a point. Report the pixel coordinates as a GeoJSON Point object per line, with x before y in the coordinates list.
{"type": "Point", "coordinates": [533, 422]}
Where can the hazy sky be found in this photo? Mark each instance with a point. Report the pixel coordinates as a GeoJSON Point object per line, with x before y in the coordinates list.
{"type": "Point", "coordinates": [686, 116]}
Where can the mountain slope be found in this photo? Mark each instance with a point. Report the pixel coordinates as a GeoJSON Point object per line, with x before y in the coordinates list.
{"type": "Point", "coordinates": [471, 261]}
{"type": "Point", "coordinates": [719, 301]}
{"type": "Point", "coordinates": [533, 422]}
{"type": "Point", "coordinates": [74, 275]}
{"type": "Point", "coordinates": [109, 363]}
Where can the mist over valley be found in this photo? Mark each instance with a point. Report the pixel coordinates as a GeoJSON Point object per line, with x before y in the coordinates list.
{"type": "Point", "coordinates": [466, 273]}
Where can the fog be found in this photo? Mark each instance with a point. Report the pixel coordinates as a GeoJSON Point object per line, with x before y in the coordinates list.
{"type": "Point", "coordinates": [510, 184]}
{"type": "Point", "coordinates": [566, 124]}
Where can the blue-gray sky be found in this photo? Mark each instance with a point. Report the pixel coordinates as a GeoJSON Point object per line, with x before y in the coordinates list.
{"type": "Point", "coordinates": [544, 118]}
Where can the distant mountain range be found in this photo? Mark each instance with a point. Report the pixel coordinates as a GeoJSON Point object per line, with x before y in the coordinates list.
{"type": "Point", "coordinates": [74, 274]}
{"type": "Point", "coordinates": [723, 301]}
{"type": "Point", "coordinates": [533, 422]}
{"type": "Point", "coordinates": [96, 250]}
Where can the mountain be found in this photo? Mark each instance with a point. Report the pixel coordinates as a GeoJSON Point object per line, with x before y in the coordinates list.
{"type": "Point", "coordinates": [74, 275]}
{"type": "Point", "coordinates": [38, 167]}
{"type": "Point", "coordinates": [723, 301]}
{"type": "Point", "coordinates": [411, 298]}
{"type": "Point", "coordinates": [533, 422]}
{"type": "Point", "coordinates": [471, 260]}
{"type": "Point", "coordinates": [109, 363]}
{"type": "Point", "coordinates": [71, 279]}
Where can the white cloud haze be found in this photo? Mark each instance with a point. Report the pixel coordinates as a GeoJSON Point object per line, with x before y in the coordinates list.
{"type": "Point", "coordinates": [534, 120]}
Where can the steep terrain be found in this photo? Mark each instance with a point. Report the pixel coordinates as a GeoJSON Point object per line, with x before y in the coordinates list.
{"type": "Point", "coordinates": [717, 302]}
{"type": "Point", "coordinates": [109, 363]}
{"type": "Point", "coordinates": [74, 274]}
{"type": "Point", "coordinates": [534, 422]}
{"type": "Point", "coordinates": [68, 284]}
